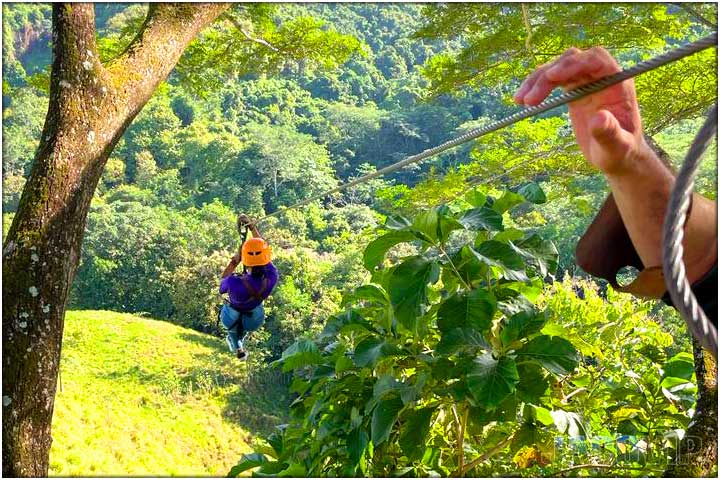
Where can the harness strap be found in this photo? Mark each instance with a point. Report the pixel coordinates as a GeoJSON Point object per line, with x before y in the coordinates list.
{"type": "Point", "coordinates": [256, 294]}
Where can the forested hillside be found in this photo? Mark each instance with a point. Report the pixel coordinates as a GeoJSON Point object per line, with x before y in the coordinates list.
{"type": "Point", "coordinates": [405, 304]}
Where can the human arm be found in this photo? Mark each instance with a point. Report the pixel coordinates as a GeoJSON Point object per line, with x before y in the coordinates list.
{"type": "Point", "coordinates": [245, 221]}
{"type": "Point", "coordinates": [231, 266]}
{"type": "Point", "coordinates": [608, 129]}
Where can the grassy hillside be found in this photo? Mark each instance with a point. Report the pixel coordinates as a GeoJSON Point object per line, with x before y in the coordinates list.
{"type": "Point", "coordinates": [145, 397]}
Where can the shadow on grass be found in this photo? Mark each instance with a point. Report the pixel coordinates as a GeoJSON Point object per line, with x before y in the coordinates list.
{"type": "Point", "coordinates": [257, 395]}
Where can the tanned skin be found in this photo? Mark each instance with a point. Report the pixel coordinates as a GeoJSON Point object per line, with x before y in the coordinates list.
{"type": "Point", "coordinates": [609, 132]}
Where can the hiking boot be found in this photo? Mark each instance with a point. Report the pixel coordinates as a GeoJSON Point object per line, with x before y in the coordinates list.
{"type": "Point", "coordinates": [241, 354]}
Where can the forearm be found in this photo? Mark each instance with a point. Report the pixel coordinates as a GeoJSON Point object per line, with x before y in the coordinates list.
{"type": "Point", "coordinates": [642, 194]}
{"type": "Point", "coordinates": [229, 269]}
{"type": "Point", "coordinates": [254, 230]}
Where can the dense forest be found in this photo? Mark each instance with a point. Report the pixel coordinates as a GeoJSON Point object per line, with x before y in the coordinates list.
{"type": "Point", "coordinates": [433, 322]}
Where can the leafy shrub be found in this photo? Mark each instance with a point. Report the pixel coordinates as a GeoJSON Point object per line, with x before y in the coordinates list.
{"type": "Point", "coordinates": [441, 347]}
{"type": "Point", "coordinates": [459, 360]}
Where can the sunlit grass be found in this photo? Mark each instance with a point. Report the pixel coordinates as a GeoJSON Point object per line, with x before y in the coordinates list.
{"type": "Point", "coordinates": [145, 397]}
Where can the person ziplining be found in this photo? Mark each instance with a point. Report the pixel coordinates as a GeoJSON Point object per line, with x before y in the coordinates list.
{"type": "Point", "coordinates": [243, 311]}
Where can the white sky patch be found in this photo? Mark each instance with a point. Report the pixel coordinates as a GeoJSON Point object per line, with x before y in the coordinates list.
{"type": "Point", "coordinates": [87, 65]}
{"type": "Point", "coordinates": [91, 137]}
{"type": "Point", "coordinates": [33, 291]}
{"type": "Point", "coordinates": [6, 400]}
{"type": "Point", "coordinates": [34, 257]}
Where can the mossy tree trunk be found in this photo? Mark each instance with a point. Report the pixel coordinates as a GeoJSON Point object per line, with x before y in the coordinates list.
{"type": "Point", "coordinates": [697, 453]}
{"type": "Point", "coordinates": [90, 107]}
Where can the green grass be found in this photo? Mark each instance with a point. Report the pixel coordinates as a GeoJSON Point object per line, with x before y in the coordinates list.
{"type": "Point", "coordinates": [144, 397]}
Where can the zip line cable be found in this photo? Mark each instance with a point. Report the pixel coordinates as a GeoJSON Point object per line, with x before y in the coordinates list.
{"type": "Point", "coordinates": [674, 271]}
{"type": "Point", "coordinates": [549, 104]}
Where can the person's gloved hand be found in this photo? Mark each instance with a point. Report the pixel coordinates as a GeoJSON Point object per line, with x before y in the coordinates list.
{"type": "Point", "coordinates": [244, 220]}
{"type": "Point", "coordinates": [607, 124]}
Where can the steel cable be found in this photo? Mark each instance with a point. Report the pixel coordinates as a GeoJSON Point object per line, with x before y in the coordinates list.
{"type": "Point", "coordinates": [676, 279]}
{"type": "Point", "coordinates": [549, 104]}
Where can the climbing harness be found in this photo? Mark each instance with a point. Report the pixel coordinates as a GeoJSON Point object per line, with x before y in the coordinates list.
{"type": "Point", "coordinates": [676, 279]}
{"type": "Point", "coordinates": [674, 270]}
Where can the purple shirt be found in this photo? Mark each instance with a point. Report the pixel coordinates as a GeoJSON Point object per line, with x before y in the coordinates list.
{"type": "Point", "coordinates": [242, 299]}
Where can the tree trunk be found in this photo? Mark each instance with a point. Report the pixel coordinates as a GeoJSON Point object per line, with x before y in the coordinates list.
{"type": "Point", "coordinates": [697, 453]}
{"type": "Point", "coordinates": [90, 108]}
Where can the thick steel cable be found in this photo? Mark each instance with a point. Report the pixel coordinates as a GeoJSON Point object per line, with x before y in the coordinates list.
{"type": "Point", "coordinates": [549, 104]}
{"type": "Point", "coordinates": [676, 279]}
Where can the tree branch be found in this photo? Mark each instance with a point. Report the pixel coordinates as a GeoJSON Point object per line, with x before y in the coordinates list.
{"type": "Point", "coordinates": [696, 15]}
{"type": "Point", "coordinates": [149, 59]}
{"type": "Point", "coordinates": [75, 49]}
{"type": "Point", "coordinates": [242, 30]}
{"type": "Point", "coordinates": [484, 457]}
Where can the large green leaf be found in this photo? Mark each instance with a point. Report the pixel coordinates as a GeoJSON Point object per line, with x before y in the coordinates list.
{"type": "Point", "coordinates": [532, 193]}
{"type": "Point", "coordinates": [367, 293]}
{"type": "Point", "coordinates": [533, 383]}
{"type": "Point", "coordinates": [294, 470]}
{"type": "Point", "coordinates": [408, 288]}
{"type": "Point", "coordinates": [681, 365]}
{"type": "Point", "coordinates": [427, 224]}
{"type": "Point", "coordinates": [349, 320]}
{"type": "Point", "coordinates": [507, 201]}
{"type": "Point", "coordinates": [357, 442]}
{"type": "Point", "coordinates": [468, 265]}
{"type": "Point", "coordinates": [475, 198]}
{"type": "Point", "coordinates": [372, 349]}
{"type": "Point", "coordinates": [397, 222]}
{"type": "Point", "coordinates": [414, 432]}
{"type": "Point", "coordinates": [384, 417]}
{"type": "Point", "coordinates": [554, 353]}
{"type": "Point", "coordinates": [541, 253]}
{"type": "Point", "coordinates": [446, 224]}
{"type": "Point", "coordinates": [521, 325]}
{"type": "Point", "coordinates": [474, 309]}
{"type": "Point", "coordinates": [247, 461]}
{"type": "Point", "coordinates": [386, 384]}
{"type": "Point", "coordinates": [459, 339]}
{"type": "Point", "coordinates": [490, 380]}
{"type": "Point", "coordinates": [376, 250]}
{"type": "Point", "coordinates": [300, 354]}
{"type": "Point", "coordinates": [482, 218]}
{"type": "Point", "coordinates": [503, 256]}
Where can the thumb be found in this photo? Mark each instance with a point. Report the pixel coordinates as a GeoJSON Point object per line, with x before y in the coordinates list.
{"type": "Point", "coordinates": [613, 143]}
{"type": "Point", "coordinates": [608, 133]}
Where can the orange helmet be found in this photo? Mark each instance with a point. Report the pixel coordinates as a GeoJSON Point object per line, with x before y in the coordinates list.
{"type": "Point", "coordinates": [256, 252]}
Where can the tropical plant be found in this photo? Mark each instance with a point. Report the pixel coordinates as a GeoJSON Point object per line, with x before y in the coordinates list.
{"type": "Point", "coordinates": [436, 363]}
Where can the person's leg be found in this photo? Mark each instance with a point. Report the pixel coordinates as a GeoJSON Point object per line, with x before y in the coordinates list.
{"type": "Point", "coordinates": [253, 319]}
{"type": "Point", "coordinates": [230, 319]}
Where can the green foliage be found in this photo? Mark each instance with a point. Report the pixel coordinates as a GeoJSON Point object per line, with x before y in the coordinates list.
{"type": "Point", "coordinates": [451, 324]}
{"type": "Point", "coordinates": [245, 40]}
{"type": "Point", "coordinates": [407, 363]}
